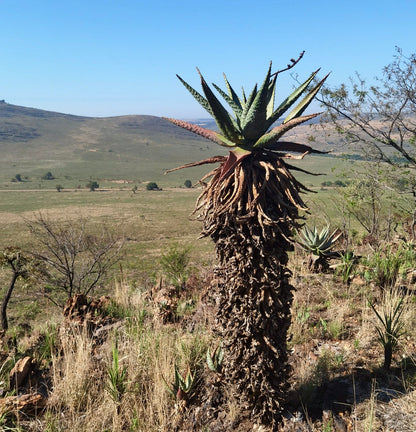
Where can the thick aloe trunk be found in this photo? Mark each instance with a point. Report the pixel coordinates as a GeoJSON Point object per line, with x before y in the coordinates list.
{"type": "Point", "coordinates": [388, 354]}
{"type": "Point", "coordinates": [254, 298]}
{"type": "Point", "coordinates": [250, 217]}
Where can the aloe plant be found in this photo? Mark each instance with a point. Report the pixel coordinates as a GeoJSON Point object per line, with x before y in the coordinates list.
{"type": "Point", "coordinates": [214, 360]}
{"type": "Point", "coordinates": [116, 384]}
{"type": "Point", "coordinates": [347, 264]}
{"type": "Point", "coordinates": [183, 386]}
{"type": "Point", "coordinates": [249, 207]}
{"type": "Point", "coordinates": [390, 324]}
{"type": "Point", "coordinates": [320, 244]}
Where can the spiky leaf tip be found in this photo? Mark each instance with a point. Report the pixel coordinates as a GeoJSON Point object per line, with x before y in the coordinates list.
{"type": "Point", "coordinates": [254, 121]}
{"type": "Point", "coordinates": [305, 102]}
{"type": "Point", "coordinates": [202, 101]}
{"type": "Point", "coordinates": [225, 122]}
{"type": "Point", "coordinates": [290, 100]}
{"type": "Point", "coordinates": [272, 136]}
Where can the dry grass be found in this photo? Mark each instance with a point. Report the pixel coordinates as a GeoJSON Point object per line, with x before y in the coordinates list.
{"type": "Point", "coordinates": [334, 342]}
{"type": "Point", "coordinates": [335, 353]}
{"type": "Point", "coordinates": [149, 351]}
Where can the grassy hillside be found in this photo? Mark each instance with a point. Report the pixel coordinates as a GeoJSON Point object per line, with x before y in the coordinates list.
{"type": "Point", "coordinates": [115, 150]}
{"type": "Point", "coordinates": [134, 148]}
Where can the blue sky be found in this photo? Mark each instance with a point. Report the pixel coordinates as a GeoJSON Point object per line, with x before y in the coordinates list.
{"type": "Point", "coordinates": [107, 58]}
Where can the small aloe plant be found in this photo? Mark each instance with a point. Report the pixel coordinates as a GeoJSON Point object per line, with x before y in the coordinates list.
{"type": "Point", "coordinates": [214, 360]}
{"type": "Point", "coordinates": [391, 324]}
{"type": "Point", "coordinates": [348, 260]}
{"type": "Point", "coordinates": [116, 385]}
{"type": "Point", "coordinates": [183, 386]}
{"type": "Point", "coordinates": [319, 244]}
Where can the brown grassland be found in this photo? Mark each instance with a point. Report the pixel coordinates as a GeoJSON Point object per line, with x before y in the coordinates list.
{"type": "Point", "coordinates": [116, 377]}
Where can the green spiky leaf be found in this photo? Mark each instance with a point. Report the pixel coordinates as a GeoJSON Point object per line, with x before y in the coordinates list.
{"type": "Point", "coordinates": [305, 102]}
{"type": "Point", "coordinates": [210, 361]}
{"type": "Point", "coordinates": [189, 381]}
{"type": "Point", "coordinates": [243, 99]}
{"type": "Point", "coordinates": [254, 121]}
{"type": "Point", "coordinates": [290, 100]}
{"type": "Point", "coordinates": [206, 133]}
{"type": "Point", "coordinates": [291, 146]}
{"type": "Point", "coordinates": [225, 122]}
{"type": "Point", "coordinates": [271, 97]}
{"type": "Point", "coordinates": [203, 102]}
{"type": "Point", "coordinates": [232, 93]}
{"type": "Point", "coordinates": [235, 107]}
{"type": "Point", "coordinates": [272, 136]}
{"type": "Point", "coordinates": [248, 104]}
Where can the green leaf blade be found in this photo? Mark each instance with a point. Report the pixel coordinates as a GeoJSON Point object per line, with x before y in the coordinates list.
{"type": "Point", "coordinates": [254, 122]}
{"type": "Point", "coordinates": [235, 107]}
{"type": "Point", "coordinates": [305, 102]}
{"type": "Point", "coordinates": [290, 100]}
{"type": "Point", "coordinates": [205, 133]}
{"type": "Point", "coordinates": [225, 122]}
{"type": "Point", "coordinates": [278, 131]}
{"type": "Point", "coordinates": [202, 101]}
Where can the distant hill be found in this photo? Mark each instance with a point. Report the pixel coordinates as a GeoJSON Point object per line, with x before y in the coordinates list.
{"type": "Point", "coordinates": [30, 132]}
{"type": "Point", "coordinates": [74, 148]}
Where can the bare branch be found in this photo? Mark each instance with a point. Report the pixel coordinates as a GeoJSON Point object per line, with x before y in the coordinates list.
{"type": "Point", "coordinates": [76, 258]}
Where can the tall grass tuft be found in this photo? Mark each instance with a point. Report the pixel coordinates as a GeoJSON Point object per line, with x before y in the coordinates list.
{"type": "Point", "coordinates": [119, 385]}
{"type": "Point", "coordinates": [116, 385]}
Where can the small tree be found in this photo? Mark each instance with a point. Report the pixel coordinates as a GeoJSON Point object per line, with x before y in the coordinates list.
{"type": "Point", "coordinates": [92, 185]}
{"type": "Point", "coordinates": [59, 187]}
{"type": "Point", "coordinates": [76, 259]}
{"type": "Point", "coordinates": [22, 266]}
{"type": "Point", "coordinates": [48, 176]}
{"type": "Point", "coordinates": [369, 200]}
{"type": "Point", "coordinates": [18, 177]}
{"type": "Point", "coordinates": [380, 119]}
{"type": "Point", "coordinates": [188, 184]}
{"type": "Point", "coordinates": [152, 186]}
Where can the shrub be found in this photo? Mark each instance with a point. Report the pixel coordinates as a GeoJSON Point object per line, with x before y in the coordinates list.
{"type": "Point", "coordinates": [383, 268]}
{"type": "Point", "coordinates": [48, 176]}
{"type": "Point", "coordinates": [188, 184]}
{"type": "Point", "coordinates": [175, 265]}
{"type": "Point", "coordinates": [152, 186]}
{"type": "Point", "coordinates": [76, 259]}
{"type": "Point", "coordinates": [92, 185]}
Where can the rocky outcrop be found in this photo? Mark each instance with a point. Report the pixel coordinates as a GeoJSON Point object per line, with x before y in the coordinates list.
{"type": "Point", "coordinates": [30, 387]}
